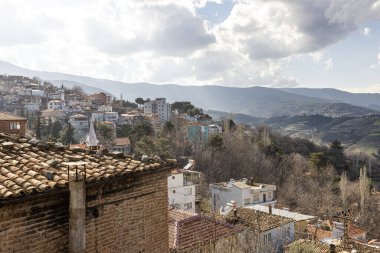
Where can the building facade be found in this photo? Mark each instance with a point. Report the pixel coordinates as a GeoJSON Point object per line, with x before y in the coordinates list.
{"type": "Point", "coordinates": [11, 124]}
{"type": "Point", "coordinates": [56, 104]}
{"type": "Point", "coordinates": [79, 122]}
{"type": "Point", "coordinates": [159, 107]}
{"type": "Point", "coordinates": [260, 231]}
{"type": "Point", "coordinates": [181, 193]}
{"type": "Point", "coordinates": [122, 145]}
{"type": "Point", "coordinates": [244, 193]}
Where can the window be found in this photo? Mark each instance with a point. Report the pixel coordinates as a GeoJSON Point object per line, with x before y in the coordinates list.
{"type": "Point", "coordinates": [14, 125]}
{"type": "Point", "coordinates": [173, 191]}
{"type": "Point", "coordinates": [267, 238]}
{"type": "Point", "coordinates": [247, 201]}
{"type": "Point", "coordinates": [173, 177]}
{"type": "Point", "coordinates": [255, 197]}
{"type": "Point", "coordinates": [188, 205]}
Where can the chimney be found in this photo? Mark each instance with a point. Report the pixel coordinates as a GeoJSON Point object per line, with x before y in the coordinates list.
{"type": "Point", "coordinates": [77, 213]}
{"type": "Point", "coordinates": [270, 209]}
{"type": "Point", "coordinates": [332, 248]}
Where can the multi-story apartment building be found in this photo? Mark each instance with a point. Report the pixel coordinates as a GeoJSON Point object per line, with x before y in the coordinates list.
{"type": "Point", "coordinates": [159, 107]}
{"type": "Point", "coordinates": [181, 193]}
{"type": "Point", "coordinates": [244, 193]}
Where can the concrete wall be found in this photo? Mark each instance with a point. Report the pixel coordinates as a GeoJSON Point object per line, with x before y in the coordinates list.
{"type": "Point", "coordinates": [122, 215]}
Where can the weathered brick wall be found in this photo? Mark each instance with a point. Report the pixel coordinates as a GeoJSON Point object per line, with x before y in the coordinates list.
{"type": "Point", "coordinates": [115, 221]}
{"type": "Point", "coordinates": [35, 225]}
{"type": "Point", "coordinates": [122, 215]}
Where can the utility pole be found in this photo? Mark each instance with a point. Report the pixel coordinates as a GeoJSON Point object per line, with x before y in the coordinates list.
{"type": "Point", "coordinates": [345, 217]}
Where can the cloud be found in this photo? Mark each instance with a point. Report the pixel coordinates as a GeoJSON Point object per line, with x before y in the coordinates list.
{"type": "Point", "coordinates": [280, 28]}
{"type": "Point", "coordinates": [328, 64]}
{"type": "Point", "coordinates": [170, 30]}
{"type": "Point", "coordinates": [166, 41]}
{"type": "Point", "coordinates": [366, 31]}
{"type": "Point", "coordinates": [22, 28]}
{"type": "Point", "coordinates": [375, 88]}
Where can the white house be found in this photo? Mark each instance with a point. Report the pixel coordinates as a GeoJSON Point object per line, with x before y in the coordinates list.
{"type": "Point", "coordinates": [79, 122]}
{"type": "Point", "coordinates": [159, 107]}
{"type": "Point", "coordinates": [214, 129]}
{"type": "Point", "coordinates": [111, 116]}
{"type": "Point", "coordinates": [56, 104]}
{"type": "Point", "coordinates": [105, 108]}
{"type": "Point", "coordinates": [263, 231]}
{"type": "Point", "coordinates": [181, 193]}
{"type": "Point", "coordinates": [97, 116]}
{"type": "Point", "coordinates": [38, 93]}
{"type": "Point", "coordinates": [122, 145]}
{"type": "Point", "coordinates": [244, 193]}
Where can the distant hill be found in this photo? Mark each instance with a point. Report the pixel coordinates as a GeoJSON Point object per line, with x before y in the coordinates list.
{"type": "Point", "coordinates": [238, 118]}
{"type": "Point", "coordinates": [254, 101]}
{"type": "Point", "coordinates": [369, 100]}
{"type": "Point", "coordinates": [363, 132]}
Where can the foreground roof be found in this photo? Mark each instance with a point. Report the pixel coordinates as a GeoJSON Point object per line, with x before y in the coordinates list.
{"type": "Point", "coordinates": [189, 231]}
{"type": "Point", "coordinates": [27, 166]}
{"type": "Point", "coordinates": [259, 220]}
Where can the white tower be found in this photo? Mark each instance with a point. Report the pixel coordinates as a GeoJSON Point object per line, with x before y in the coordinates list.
{"type": "Point", "coordinates": [92, 140]}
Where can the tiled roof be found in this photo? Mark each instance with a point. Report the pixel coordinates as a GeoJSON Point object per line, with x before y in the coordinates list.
{"type": "Point", "coordinates": [318, 233]}
{"type": "Point", "coordinates": [27, 166]}
{"type": "Point", "coordinates": [311, 246]}
{"type": "Point", "coordinates": [6, 116]}
{"type": "Point", "coordinates": [260, 220]}
{"type": "Point", "coordinates": [122, 141]}
{"type": "Point", "coordinates": [354, 231]}
{"type": "Point", "coordinates": [189, 231]}
{"type": "Point", "coordinates": [317, 247]}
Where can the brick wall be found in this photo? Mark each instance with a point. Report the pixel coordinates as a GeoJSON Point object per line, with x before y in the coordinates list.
{"type": "Point", "coordinates": [35, 225]}
{"type": "Point", "coordinates": [122, 215]}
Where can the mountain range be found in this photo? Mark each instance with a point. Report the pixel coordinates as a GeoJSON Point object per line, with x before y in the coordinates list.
{"type": "Point", "coordinates": [255, 101]}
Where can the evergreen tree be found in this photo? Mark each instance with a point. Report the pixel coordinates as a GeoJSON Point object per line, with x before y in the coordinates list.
{"type": "Point", "coordinates": [67, 136]}
{"type": "Point", "coordinates": [55, 131]}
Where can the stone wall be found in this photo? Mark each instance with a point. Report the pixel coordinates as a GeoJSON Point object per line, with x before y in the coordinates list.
{"type": "Point", "coordinates": [122, 215]}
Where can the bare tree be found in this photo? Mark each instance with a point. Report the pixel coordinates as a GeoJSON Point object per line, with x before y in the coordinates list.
{"type": "Point", "coordinates": [343, 184]}
{"type": "Point", "coordinates": [364, 189]}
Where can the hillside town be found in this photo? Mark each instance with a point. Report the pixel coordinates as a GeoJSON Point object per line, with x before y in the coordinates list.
{"type": "Point", "coordinates": [95, 173]}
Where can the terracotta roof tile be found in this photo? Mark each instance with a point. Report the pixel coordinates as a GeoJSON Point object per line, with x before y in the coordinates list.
{"type": "Point", "coordinates": [188, 230]}
{"type": "Point", "coordinates": [26, 166]}
{"type": "Point", "coordinates": [262, 220]}
{"type": "Point", "coordinates": [317, 247]}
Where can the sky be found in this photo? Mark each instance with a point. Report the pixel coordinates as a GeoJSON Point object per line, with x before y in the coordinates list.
{"type": "Point", "coordinates": [242, 43]}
